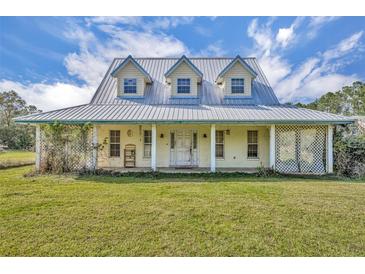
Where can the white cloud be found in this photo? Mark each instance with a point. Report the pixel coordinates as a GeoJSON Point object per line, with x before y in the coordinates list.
{"type": "Point", "coordinates": [286, 36]}
{"type": "Point", "coordinates": [203, 31]}
{"type": "Point", "coordinates": [90, 62]}
{"type": "Point", "coordinates": [94, 56]}
{"type": "Point", "coordinates": [319, 75]}
{"type": "Point", "coordinates": [262, 37]}
{"type": "Point", "coordinates": [344, 47]}
{"type": "Point", "coordinates": [316, 23]}
{"type": "Point", "coordinates": [313, 77]}
{"type": "Point", "coordinates": [127, 20]}
{"type": "Point", "coordinates": [50, 96]}
{"type": "Point", "coordinates": [214, 49]}
{"type": "Point", "coordinates": [320, 85]}
{"type": "Point", "coordinates": [164, 23]}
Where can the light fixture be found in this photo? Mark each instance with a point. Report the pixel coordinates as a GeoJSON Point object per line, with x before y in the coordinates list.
{"type": "Point", "coordinates": [161, 135]}
{"type": "Point", "coordinates": [204, 135]}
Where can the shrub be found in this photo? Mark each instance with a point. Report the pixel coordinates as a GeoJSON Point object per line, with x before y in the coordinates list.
{"type": "Point", "coordinates": [349, 155]}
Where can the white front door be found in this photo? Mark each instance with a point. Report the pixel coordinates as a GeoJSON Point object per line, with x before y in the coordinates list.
{"type": "Point", "coordinates": [183, 147]}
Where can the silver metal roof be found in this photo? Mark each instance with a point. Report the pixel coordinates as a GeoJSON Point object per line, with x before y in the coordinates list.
{"type": "Point", "coordinates": [209, 93]}
{"type": "Point", "coordinates": [210, 106]}
{"type": "Point", "coordinates": [142, 113]}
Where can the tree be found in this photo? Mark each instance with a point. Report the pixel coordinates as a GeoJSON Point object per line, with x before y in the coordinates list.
{"type": "Point", "coordinates": [12, 135]}
{"type": "Point", "coordinates": [350, 100]}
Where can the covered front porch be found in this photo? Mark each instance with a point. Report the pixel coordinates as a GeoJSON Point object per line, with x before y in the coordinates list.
{"type": "Point", "coordinates": [188, 148]}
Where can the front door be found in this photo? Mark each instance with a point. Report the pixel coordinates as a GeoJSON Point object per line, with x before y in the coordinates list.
{"type": "Point", "coordinates": [183, 147]}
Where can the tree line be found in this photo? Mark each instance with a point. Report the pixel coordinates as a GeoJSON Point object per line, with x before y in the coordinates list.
{"type": "Point", "coordinates": [12, 135]}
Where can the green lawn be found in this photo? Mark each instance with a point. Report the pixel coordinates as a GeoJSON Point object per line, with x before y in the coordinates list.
{"type": "Point", "coordinates": [207, 216]}
{"type": "Point", "coordinates": [16, 158]}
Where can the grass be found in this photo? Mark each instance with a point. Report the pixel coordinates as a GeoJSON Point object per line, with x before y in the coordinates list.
{"type": "Point", "coordinates": [189, 216]}
{"type": "Point", "coordinates": [14, 158]}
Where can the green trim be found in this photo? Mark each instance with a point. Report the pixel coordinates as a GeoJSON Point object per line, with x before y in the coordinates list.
{"type": "Point", "coordinates": [263, 122]}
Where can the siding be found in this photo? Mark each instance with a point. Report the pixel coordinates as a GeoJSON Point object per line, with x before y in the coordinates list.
{"type": "Point", "coordinates": [237, 71]}
{"type": "Point", "coordinates": [130, 71]}
{"type": "Point", "coordinates": [184, 71]}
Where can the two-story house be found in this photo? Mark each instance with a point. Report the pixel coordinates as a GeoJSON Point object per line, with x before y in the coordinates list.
{"type": "Point", "coordinates": [206, 113]}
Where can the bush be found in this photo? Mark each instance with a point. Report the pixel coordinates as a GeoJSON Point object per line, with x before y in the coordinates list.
{"type": "Point", "coordinates": [349, 155]}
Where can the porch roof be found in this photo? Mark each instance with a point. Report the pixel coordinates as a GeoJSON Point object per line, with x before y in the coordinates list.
{"type": "Point", "coordinates": [142, 113]}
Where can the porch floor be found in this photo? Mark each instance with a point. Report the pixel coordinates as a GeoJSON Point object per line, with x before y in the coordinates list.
{"type": "Point", "coordinates": [182, 170]}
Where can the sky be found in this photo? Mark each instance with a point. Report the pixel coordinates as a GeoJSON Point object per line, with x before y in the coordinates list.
{"type": "Point", "coordinates": [56, 62]}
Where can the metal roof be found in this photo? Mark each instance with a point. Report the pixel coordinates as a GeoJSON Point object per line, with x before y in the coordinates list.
{"type": "Point", "coordinates": [211, 106]}
{"type": "Point", "coordinates": [209, 93]}
{"type": "Point", "coordinates": [142, 113]}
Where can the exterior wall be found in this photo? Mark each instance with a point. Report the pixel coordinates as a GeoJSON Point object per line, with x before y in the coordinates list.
{"type": "Point", "coordinates": [235, 145]}
{"type": "Point", "coordinates": [237, 71]}
{"type": "Point", "coordinates": [184, 71]}
{"type": "Point", "coordinates": [130, 71]}
{"type": "Point", "coordinates": [137, 139]}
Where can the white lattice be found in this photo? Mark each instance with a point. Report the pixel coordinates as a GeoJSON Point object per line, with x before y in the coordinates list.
{"type": "Point", "coordinates": [300, 149]}
{"type": "Point", "coordinates": [70, 150]}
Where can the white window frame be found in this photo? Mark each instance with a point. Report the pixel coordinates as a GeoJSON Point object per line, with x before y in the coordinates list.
{"type": "Point", "coordinates": [127, 85]}
{"type": "Point", "coordinates": [186, 84]}
{"type": "Point", "coordinates": [146, 143]}
{"type": "Point", "coordinates": [235, 85]}
{"type": "Point", "coordinates": [113, 143]}
{"type": "Point", "coordinates": [253, 143]}
{"type": "Point", "coordinates": [222, 144]}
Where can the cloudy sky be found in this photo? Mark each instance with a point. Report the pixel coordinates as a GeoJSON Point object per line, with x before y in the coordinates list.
{"type": "Point", "coordinates": [56, 62]}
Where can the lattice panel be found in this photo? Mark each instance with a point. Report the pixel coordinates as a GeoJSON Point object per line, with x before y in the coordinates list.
{"type": "Point", "coordinates": [300, 149]}
{"type": "Point", "coordinates": [69, 150]}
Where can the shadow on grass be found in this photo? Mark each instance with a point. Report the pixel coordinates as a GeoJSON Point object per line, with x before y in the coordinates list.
{"type": "Point", "coordinates": [157, 177]}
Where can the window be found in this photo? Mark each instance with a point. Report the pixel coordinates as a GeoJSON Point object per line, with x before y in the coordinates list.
{"type": "Point", "coordinates": [195, 140]}
{"type": "Point", "coordinates": [237, 85]}
{"type": "Point", "coordinates": [130, 85]}
{"type": "Point", "coordinates": [172, 140]}
{"type": "Point", "coordinates": [219, 144]}
{"type": "Point", "coordinates": [252, 144]}
{"type": "Point", "coordinates": [183, 85]}
{"type": "Point", "coordinates": [147, 141]}
{"type": "Point", "coordinates": [114, 144]}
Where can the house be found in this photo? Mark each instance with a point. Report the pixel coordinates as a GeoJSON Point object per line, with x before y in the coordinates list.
{"type": "Point", "coordinates": [207, 113]}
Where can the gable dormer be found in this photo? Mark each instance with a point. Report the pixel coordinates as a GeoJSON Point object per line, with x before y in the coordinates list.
{"type": "Point", "coordinates": [184, 77]}
{"type": "Point", "coordinates": [236, 78]}
{"type": "Point", "coordinates": [132, 78]}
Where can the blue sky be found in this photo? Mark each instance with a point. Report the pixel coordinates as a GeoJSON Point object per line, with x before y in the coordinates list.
{"type": "Point", "coordinates": [56, 62]}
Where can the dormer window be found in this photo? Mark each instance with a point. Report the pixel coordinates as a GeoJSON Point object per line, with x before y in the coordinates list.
{"type": "Point", "coordinates": [183, 85]}
{"type": "Point", "coordinates": [130, 85]}
{"type": "Point", "coordinates": [237, 85]}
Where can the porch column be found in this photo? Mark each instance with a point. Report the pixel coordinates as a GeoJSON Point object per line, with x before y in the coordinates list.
{"type": "Point", "coordinates": [272, 146]}
{"type": "Point", "coordinates": [153, 148]}
{"type": "Point", "coordinates": [95, 148]}
{"type": "Point", "coordinates": [37, 147]}
{"type": "Point", "coordinates": [212, 148]}
{"type": "Point", "coordinates": [330, 149]}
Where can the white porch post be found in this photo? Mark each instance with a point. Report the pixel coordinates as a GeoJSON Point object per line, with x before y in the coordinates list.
{"type": "Point", "coordinates": [212, 148]}
{"type": "Point", "coordinates": [330, 149]}
{"type": "Point", "coordinates": [95, 148]}
{"type": "Point", "coordinates": [272, 146]}
{"type": "Point", "coordinates": [153, 148]}
{"type": "Point", "coordinates": [37, 147]}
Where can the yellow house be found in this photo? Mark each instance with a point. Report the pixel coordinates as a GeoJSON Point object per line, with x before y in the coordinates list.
{"type": "Point", "coordinates": [164, 114]}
